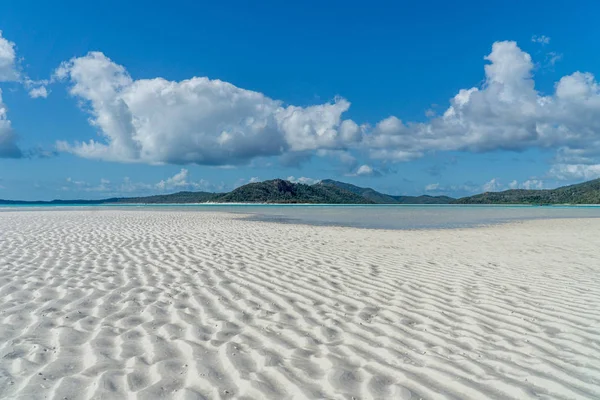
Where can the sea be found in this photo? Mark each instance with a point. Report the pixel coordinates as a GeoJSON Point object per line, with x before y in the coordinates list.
{"type": "Point", "coordinates": [361, 216]}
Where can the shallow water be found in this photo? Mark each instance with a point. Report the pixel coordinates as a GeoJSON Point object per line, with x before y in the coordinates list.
{"type": "Point", "coordinates": [418, 217]}
{"type": "Point", "coordinates": [367, 216]}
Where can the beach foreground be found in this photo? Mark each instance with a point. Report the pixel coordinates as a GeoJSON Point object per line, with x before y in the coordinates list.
{"type": "Point", "coordinates": [144, 304]}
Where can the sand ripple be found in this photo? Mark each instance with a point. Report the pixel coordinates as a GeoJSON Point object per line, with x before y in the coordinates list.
{"type": "Point", "coordinates": [160, 304]}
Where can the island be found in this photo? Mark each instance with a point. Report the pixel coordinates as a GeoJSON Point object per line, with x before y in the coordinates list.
{"type": "Point", "coordinates": [328, 191]}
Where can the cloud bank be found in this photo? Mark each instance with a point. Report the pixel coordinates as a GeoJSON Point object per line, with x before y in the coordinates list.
{"type": "Point", "coordinates": [197, 120]}
{"type": "Point", "coordinates": [8, 143]}
{"type": "Point", "coordinates": [212, 122]}
{"type": "Point", "coordinates": [8, 58]}
{"type": "Point", "coordinates": [179, 182]}
{"type": "Point", "coordinates": [8, 73]}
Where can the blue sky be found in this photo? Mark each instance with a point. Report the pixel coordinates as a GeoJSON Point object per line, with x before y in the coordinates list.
{"type": "Point", "coordinates": [132, 98]}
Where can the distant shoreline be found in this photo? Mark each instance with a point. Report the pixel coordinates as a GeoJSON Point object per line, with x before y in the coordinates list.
{"type": "Point", "coordinates": [460, 205]}
{"type": "Point", "coordinates": [372, 216]}
{"type": "Point", "coordinates": [330, 192]}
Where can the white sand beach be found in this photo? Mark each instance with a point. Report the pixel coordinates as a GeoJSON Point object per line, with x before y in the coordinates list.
{"type": "Point", "coordinates": [141, 304]}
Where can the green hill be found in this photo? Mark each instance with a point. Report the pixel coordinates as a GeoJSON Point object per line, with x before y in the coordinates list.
{"type": "Point", "coordinates": [280, 191]}
{"type": "Point", "coordinates": [381, 198]}
{"type": "Point", "coordinates": [334, 192]}
{"type": "Point", "coordinates": [581, 193]}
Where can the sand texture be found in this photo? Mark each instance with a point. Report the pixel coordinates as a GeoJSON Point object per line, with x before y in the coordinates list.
{"type": "Point", "coordinates": [141, 304]}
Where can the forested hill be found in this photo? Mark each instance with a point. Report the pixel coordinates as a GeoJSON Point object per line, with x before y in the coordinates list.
{"type": "Point", "coordinates": [281, 191]}
{"type": "Point", "coordinates": [582, 193]}
{"type": "Point", "coordinates": [334, 192]}
{"type": "Point", "coordinates": [382, 198]}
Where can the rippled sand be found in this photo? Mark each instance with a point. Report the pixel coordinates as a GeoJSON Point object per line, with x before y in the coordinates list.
{"type": "Point", "coordinates": [161, 304]}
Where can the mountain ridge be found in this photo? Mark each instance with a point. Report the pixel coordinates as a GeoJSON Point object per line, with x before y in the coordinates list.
{"type": "Point", "coordinates": [382, 198]}
{"type": "Point", "coordinates": [329, 191]}
{"type": "Point", "coordinates": [580, 193]}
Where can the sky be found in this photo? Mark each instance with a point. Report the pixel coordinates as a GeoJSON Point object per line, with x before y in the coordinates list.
{"type": "Point", "coordinates": [136, 98]}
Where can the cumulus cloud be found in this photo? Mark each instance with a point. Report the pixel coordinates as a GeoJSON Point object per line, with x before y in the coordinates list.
{"type": "Point", "coordinates": [499, 115]}
{"type": "Point", "coordinates": [574, 172]}
{"type": "Point", "coordinates": [430, 113]}
{"type": "Point", "coordinates": [552, 58]}
{"type": "Point", "coordinates": [367, 170]}
{"type": "Point", "coordinates": [179, 181]}
{"type": "Point", "coordinates": [532, 184]}
{"type": "Point", "coordinates": [304, 180]}
{"type": "Point", "coordinates": [9, 70]}
{"type": "Point", "coordinates": [125, 187]}
{"type": "Point", "coordinates": [467, 188]}
{"type": "Point", "coordinates": [212, 122]}
{"type": "Point", "coordinates": [8, 143]}
{"type": "Point", "coordinates": [197, 120]}
{"type": "Point", "coordinates": [8, 59]}
{"type": "Point", "coordinates": [505, 113]}
{"type": "Point", "coordinates": [541, 39]}
{"type": "Point", "coordinates": [38, 92]}
{"type": "Point", "coordinates": [432, 187]}
{"type": "Point", "coordinates": [8, 73]}
{"type": "Point", "coordinates": [492, 186]}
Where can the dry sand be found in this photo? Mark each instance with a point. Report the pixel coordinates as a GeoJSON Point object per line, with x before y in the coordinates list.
{"type": "Point", "coordinates": [161, 304]}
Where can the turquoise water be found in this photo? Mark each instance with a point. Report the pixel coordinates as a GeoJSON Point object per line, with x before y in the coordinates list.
{"type": "Point", "coordinates": [369, 216]}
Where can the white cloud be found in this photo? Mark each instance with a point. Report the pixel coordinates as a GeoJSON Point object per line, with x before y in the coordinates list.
{"type": "Point", "coordinates": [542, 39]}
{"type": "Point", "coordinates": [197, 120]}
{"type": "Point", "coordinates": [9, 70]}
{"type": "Point", "coordinates": [8, 59]}
{"type": "Point", "coordinates": [8, 144]}
{"type": "Point", "coordinates": [453, 190]}
{"type": "Point", "coordinates": [8, 73]}
{"type": "Point", "coordinates": [575, 172]}
{"type": "Point", "coordinates": [304, 180]}
{"type": "Point", "coordinates": [492, 186]}
{"type": "Point", "coordinates": [75, 182]}
{"type": "Point", "coordinates": [505, 113]}
{"type": "Point", "coordinates": [180, 181]}
{"type": "Point", "coordinates": [552, 58]}
{"type": "Point", "coordinates": [213, 122]}
{"type": "Point", "coordinates": [366, 170]}
{"type": "Point", "coordinates": [38, 92]}
{"type": "Point", "coordinates": [240, 182]}
{"type": "Point", "coordinates": [532, 184]}
{"type": "Point", "coordinates": [494, 116]}
{"type": "Point", "coordinates": [176, 181]}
